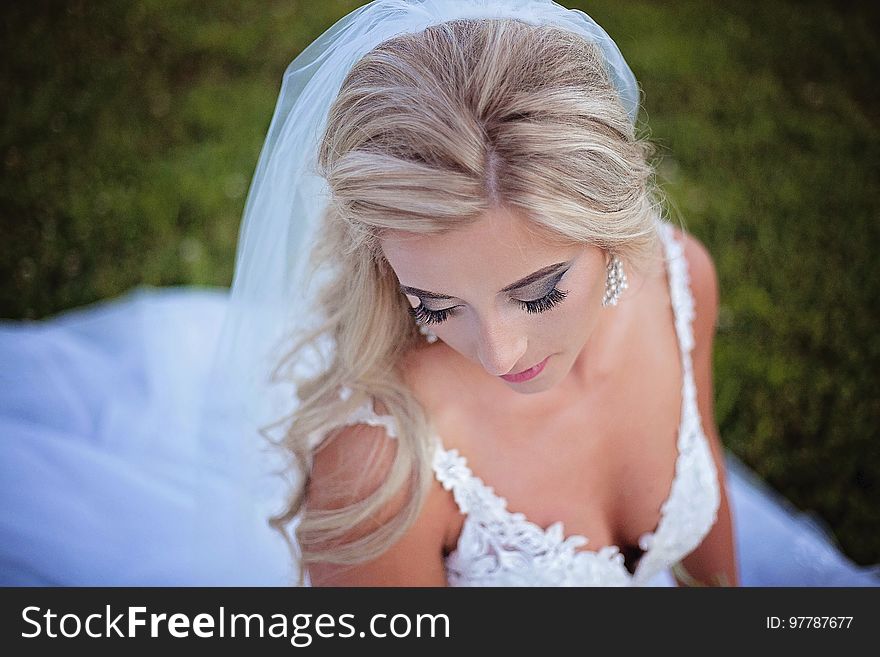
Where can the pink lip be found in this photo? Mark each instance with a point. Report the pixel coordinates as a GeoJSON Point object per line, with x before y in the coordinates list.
{"type": "Point", "coordinates": [525, 375]}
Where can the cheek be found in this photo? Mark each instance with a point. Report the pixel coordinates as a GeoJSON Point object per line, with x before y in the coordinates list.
{"type": "Point", "coordinates": [579, 312]}
{"type": "Point", "coordinates": [569, 324]}
{"type": "Point", "coordinates": [577, 320]}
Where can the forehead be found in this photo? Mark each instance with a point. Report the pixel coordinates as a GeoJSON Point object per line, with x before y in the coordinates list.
{"type": "Point", "coordinates": [498, 248]}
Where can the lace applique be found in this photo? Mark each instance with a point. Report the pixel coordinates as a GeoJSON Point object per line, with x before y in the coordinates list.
{"type": "Point", "coordinates": [500, 548]}
{"type": "Point", "coordinates": [680, 294]}
{"type": "Point", "coordinates": [695, 494]}
{"type": "Point", "coordinates": [364, 414]}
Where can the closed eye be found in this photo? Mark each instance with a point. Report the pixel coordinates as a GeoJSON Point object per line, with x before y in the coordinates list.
{"type": "Point", "coordinates": [545, 303]}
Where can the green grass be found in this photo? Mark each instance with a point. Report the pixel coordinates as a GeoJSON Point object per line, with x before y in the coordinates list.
{"type": "Point", "coordinates": [131, 131]}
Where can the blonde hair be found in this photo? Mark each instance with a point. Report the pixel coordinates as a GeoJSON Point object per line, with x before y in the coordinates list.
{"type": "Point", "coordinates": [429, 131]}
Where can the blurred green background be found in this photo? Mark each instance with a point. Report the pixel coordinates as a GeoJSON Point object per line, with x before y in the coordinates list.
{"type": "Point", "coordinates": [131, 130]}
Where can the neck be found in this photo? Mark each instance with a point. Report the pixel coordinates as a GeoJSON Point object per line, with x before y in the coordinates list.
{"type": "Point", "coordinates": [599, 356]}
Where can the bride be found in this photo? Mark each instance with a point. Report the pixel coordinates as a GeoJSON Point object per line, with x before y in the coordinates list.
{"type": "Point", "coordinates": [486, 181]}
{"type": "Point", "coordinates": [480, 351]}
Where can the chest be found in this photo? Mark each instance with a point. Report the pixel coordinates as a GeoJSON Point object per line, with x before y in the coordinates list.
{"type": "Point", "coordinates": [604, 462]}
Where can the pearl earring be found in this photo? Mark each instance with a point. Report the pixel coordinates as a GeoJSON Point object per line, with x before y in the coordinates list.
{"type": "Point", "coordinates": [615, 282]}
{"type": "Point", "coordinates": [428, 333]}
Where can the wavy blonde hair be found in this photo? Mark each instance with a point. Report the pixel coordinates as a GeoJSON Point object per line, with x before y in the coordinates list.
{"type": "Point", "coordinates": [429, 131]}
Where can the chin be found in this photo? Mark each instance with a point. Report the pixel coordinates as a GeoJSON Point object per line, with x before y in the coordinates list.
{"type": "Point", "coordinates": [533, 387]}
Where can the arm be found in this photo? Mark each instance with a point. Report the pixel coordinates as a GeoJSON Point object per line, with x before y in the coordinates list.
{"type": "Point", "coordinates": [416, 558]}
{"type": "Point", "coordinates": [714, 561]}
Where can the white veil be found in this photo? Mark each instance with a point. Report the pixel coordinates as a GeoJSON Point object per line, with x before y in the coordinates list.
{"type": "Point", "coordinates": [272, 288]}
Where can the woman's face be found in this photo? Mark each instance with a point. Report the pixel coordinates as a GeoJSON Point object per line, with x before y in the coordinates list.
{"type": "Point", "coordinates": [505, 296]}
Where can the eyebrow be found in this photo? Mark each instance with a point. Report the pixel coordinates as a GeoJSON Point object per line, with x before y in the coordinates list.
{"type": "Point", "coordinates": [516, 285]}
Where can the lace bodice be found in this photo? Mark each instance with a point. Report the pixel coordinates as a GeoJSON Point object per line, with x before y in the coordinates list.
{"type": "Point", "coordinates": [498, 547]}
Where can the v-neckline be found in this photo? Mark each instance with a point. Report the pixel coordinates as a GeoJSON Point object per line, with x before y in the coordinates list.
{"type": "Point", "coordinates": [555, 531]}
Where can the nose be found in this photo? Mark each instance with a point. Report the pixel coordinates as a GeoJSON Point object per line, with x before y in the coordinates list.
{"type": "Point", "coordinates": [501, 349]}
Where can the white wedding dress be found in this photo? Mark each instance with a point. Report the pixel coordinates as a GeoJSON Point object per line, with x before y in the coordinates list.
{"type": "Point", "coordinates": [98, 480]}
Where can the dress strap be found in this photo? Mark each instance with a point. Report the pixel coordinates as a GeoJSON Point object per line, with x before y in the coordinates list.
{"type": "Point", "coordinates": [450, 468]}
{"type": "Point", "coordinates": [683, 309]}
{"type": "Point", "coordinates": [679, 286]}
{"type": "Point", "coordinates": [364, 414]}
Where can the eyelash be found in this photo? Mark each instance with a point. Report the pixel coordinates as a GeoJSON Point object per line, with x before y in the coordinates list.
{"type": "Point", "coordinates": [545, 303]}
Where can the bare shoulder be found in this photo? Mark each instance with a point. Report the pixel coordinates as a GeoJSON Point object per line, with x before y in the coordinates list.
{"type": "Point", "coordinates": [347, 469]}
